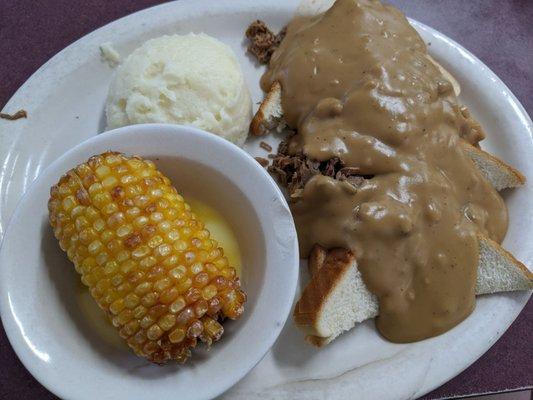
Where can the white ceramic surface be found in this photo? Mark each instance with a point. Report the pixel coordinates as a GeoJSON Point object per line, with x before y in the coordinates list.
{"type": "Point", "coordinates": [65, 101]}
{"type": "Point", "coordinates": [60, 335]}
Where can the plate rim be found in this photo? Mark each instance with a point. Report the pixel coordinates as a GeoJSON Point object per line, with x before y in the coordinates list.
{"type": "Point", "coordinates": [416, 23]}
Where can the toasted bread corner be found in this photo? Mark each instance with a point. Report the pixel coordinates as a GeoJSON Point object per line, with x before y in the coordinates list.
{"type": "Point", "coordinates": [309, 308]}
{"type": "Point", "coordinates": [497, 172]}
{"type": "Point", "coordinates": [269, 116]}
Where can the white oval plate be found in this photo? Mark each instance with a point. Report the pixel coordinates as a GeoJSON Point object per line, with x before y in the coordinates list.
{"type": "Point", "coordinates": [65, 101]}
{"type": "Point", "coordinates": [57, 329]}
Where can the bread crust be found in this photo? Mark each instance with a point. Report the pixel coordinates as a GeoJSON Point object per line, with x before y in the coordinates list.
{"type": "Point", "coordinates": [309, 308]}
{"type": "Point", "coordinates": [264, 119]}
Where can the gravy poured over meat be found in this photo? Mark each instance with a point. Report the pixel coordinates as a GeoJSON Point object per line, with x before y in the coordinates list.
{"type": "Point", "coordinates": [358, 86]}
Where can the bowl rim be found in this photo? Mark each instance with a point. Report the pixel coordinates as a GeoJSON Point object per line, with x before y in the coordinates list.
{"type": "Point", "coordinates": [11, 323]}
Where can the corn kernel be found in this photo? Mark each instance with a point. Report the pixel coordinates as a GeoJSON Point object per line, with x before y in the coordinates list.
{"type": "Point", "coordinates": [77, 211]}
{"type": "Point", "coordinates": [162, 284]}
{"type": "Point", "coordinates": [173, 235]}
{"type": "Point", "coordinates": [164, 250]}
{"type": "Point", "coordinates": [158, 310]}
{"type": "Point", "coordinates": [117, 279]}
{"type": "Point", "coordinates": [167, 321]}
{"type": "Point", "coordinates": [88, 264]}
{"type": "Point", "coordinates": [168, 295]}
{"type": "Point", "coordinates": [184, 285]}
{"type": "Point", "coordinates": [178, 273]}
{"type": "Point", "coordinates": [87, 235]}
{"type": "Point", "coordinates": [143, 288]}
{"type": "Point", "coordinates": [185, 316]}
{"type": "Point", "coordinates": [122, 256]}
{"type": "Point", "coordinates": [134, 164]}
{"type": "Point", "coordinates": [180, 245]}
{"type": "Point", "coordinates": [133, 212]}
{"type": "Point", "coordinates": [177, 335]}
{"type": "Point", "coordinates": [124, 230]}
{"type": "Point", "coordinates": [171, 261]}
{"type": "Point", "coordinates": [110, 208]}
{"type": "Point", "coordinates": [102, 171]}
{"type": "Point", "coordinates": [94, 247]}
{"type": "Point", "coordinates": [107, 235]}
{"type": "Point", "coordinates": [192, 295]}
{"type": "Point", "coordinates": [131, 328]}
{"type": "Point", "coordinates": [154, 332]}
{"type": "Point", "coordinates": [116, 219]}
{"type": "Point", "coordinates": [148, 262]}
{"type": "Point", "coordinates": [141, 200]}
{"type": "Point", "coordinates": [177, 305]}
{"type": "Point", "coordinates": [149, 299]}
{"type": "Point", "coordinates": [156, 217]}
{"type": "Point", "coordinates": [131, 301]}
{"type": "Point", "coordinates": [127, 179]}
{"type": "Point", "coordinates": [110, 267]}
{"type": "Point", "coordinates": [127, 266]}
{"type": "Point", "coordinates": [155, 241]}
{"type": "Point", "coordinates": [117, 306]}
{"type": "Point", "coordinates": [125, 316]}
{"type": "Point", "coordinates": [147, 321]}
{"type": "Point", "coordinates": [134, 277]}
{"type": "Point", "coordinates": [99, 225]}
{"type": "Point", "coordinates": [139, 311]}
{"type": "Point", "coordinates": [68, 203]}
{"type": "Point", "coordinates": [196, 268]}
{"type": "Point", "coordinates": [195, 329]}
{"type": "Point", "coordinates": [140, 251]}
{"type": "Point", "coordinates": [209, 292]}
{"type": "Point", "coordinates": [200, 308]}
{"type": "Point", "coordinates": [109, 182]}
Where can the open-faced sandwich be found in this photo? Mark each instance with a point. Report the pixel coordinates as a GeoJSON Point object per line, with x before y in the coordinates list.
{"type": "Point", "coordinates": [395, 203]}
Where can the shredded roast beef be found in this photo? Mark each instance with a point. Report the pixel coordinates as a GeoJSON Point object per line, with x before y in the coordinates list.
{"type": "Point", "coordinates": [294, 171]}
{"type": "Point", "coordinates": [263, 41]}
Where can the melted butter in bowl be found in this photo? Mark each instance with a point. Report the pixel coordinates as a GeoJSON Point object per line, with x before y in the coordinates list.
{"type": "Point", "coordinates": [220, 231]}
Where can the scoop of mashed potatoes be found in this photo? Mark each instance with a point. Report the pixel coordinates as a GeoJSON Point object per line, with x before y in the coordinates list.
{"type": "Point", "coordinates": [182, 79]}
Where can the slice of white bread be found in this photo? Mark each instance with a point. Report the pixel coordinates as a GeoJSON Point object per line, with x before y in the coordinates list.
{"type": "Point", "coordinates": [336, 298]}
{"type": "Point", "coordinates": [498, 173]}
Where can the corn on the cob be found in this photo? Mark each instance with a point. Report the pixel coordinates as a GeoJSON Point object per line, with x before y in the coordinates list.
{"type": "Point", "coordinates": [148, 261]}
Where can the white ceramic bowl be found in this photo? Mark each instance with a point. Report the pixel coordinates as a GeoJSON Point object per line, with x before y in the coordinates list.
{"type": "Point", "coordinates": [61, 336]}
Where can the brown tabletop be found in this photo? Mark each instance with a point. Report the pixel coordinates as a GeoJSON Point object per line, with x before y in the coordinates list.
{"type": "Point", "coordinates": [499, 32]}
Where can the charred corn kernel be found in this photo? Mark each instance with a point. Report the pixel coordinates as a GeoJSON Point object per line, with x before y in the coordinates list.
{"type": "Point", "coordinates": [148, 261]}
{"type": "Point", "coordinates": [200, 308]}
{"type": "Point", "coordinates": [177, 335]}
{"type": "Point", "coordinates": [195, 329]}
{"type": "Point", "coordinates": [213, 328]}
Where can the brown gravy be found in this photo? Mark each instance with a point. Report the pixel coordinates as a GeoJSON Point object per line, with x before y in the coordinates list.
{"type": "Point", "coordinates": [357, 85]}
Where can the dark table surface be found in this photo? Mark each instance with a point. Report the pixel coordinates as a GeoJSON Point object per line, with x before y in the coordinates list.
{"type": "Point", "coordinates": [499, 32]}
